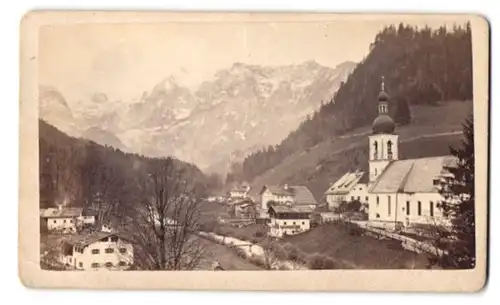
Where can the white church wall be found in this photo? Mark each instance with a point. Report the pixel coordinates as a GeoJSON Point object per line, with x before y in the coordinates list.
{"type": "Point", "coordinates": [423, 208]}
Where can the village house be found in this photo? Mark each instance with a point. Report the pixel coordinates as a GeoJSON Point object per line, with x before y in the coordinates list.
{"type": "Point", "coordinates": [65, 219]}
{"type": "Point", "coordinates": [350, 187]}
{"type": "Point", "coordinates": [398, 191]}
{"type": "Point", "coordinates": [97, 250]}
{"type": "Point", "coordinates": [239, 192]}
{"type": "Point", "coordinates": [289, 220]}
{"type": "Point", "coordinates": [287, 195]}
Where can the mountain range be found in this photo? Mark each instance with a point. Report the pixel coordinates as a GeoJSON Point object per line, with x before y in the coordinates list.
{"type": "Point", "coordinates": [240, 110]}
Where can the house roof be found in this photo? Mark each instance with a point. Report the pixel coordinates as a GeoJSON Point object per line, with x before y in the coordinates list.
{"type": "Point", "coordinates": [59, 213]}
{"type": "Point", "coordinates": [301, 194]}
{"type": "Point", "coordinates": [412, 175]}
{"type": "Point", "coordinates": [347, 182]}
{"type": "Point", "coordinates": [277, 190]}
{"type": "Point", "coordinates": [278, 209]}
{"type": "Point", "coordinates": [83, 240]}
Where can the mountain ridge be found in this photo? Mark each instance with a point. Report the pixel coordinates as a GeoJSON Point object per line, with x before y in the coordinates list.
{"type": "Point", "coordinates": [241, 108]}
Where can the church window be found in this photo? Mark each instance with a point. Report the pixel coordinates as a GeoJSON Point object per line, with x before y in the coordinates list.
{"type": "Point", "coordinates": [389, 149]}
{"type": "Point", "coordinates": [407, 208]}
{"type": "Point", "coordinates": [378, 201]}
{"type": "Point", "coordinates": [431, 208]}
{"type": "Point", "coordinates": [375, 150]}
{"type": "Point", "coordinates": [419, 208]}
{"type": "Point", "coordinates": [375, 172]}
{"type": "Point", "coordinates": [389, 205]}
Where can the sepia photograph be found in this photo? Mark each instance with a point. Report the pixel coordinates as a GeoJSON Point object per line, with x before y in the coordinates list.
{"type": "Point", "coordinates": [260, 143]}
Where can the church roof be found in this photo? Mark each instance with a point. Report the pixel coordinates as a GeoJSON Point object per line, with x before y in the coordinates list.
{"type": "Point", "coordinates": [347, 182]}
{"type": "Point", "coordinates": [412, 175]}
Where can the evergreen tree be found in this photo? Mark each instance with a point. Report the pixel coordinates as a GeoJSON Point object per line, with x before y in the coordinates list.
{"type": "Point", "coordinates": [458, 204]}
{"type": "Point", "coordinates": [402, 114]}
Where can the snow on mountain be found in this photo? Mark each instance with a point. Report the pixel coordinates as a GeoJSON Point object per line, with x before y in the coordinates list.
{"type": "Point", "coordinates": [53, 108]}
{"type": "Point", "coordinates": [241, 109]}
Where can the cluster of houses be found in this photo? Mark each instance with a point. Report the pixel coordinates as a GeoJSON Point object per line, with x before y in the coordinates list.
{"type": "Point", "coordinates": [392, 192]}
{"type": "Point", "coordinates": [100, 249]}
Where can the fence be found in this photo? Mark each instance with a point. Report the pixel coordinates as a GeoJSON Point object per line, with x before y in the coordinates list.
{"type": "Point", "coordinates": [407, 242]}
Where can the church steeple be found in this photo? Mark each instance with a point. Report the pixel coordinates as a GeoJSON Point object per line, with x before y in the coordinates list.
{"type": "Point", "coordinates": [383, 141]}
{"type": "Point", "coordinates": [383, 123]}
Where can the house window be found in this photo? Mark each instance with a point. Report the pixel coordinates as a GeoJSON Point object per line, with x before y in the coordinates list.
{"type": "Point", "coordinates": [95, 251]}
{"type": "Point", "coordinates": [303, 222]}
{"type": "Point", "coordinates": [123, 250]}
{"type": "Point", "coordinates": [407, 208]}
{"type": "Point", "coordinates": [109, 250]}
{"type": "Point", "coordinates": [436, 182]}
{"type": "Point", "coordinates": [70, 259]}
{"type": "Point", "coordinates": [122, 263]}
{"type": "Point", "coordinates": [284, 223]}
{"type": "Point", "coordinates": [80, 264]}
{"type": "Point", "coordinates": [352, 198]}
{"type": "Point", "coordinates": [378, 201]}
{"type": "Point", "coordinates": [359, 198]}
{"type": "Point", "coordinates": [95, 265]}
{"type": "Point", "coordinates": [114, 238]}
{"type": "Point", "coordinates": [431, 208]}
{"type": "Point", "coordinates": [54, 221]}
{"type": "Point", "coordinates": [294, 222]}
{"type": "Point", "coordinates": [109, 264]}
{"type": "Point", "coordinates": [419, 208]}
{"type": "Point", "coordinates": [389, 149]}
{"type": "Point", "coordinates": [366, 198]}
{"type": "Point", "coordinates": [389, 205]}
{"type": "Point", "coordinates": [64, 220]}
{"type": "Point", "coordinates": [378, 215]}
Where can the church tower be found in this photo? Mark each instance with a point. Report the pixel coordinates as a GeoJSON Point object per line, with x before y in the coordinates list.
{"type": "Point", "coordinates": [383, 141]}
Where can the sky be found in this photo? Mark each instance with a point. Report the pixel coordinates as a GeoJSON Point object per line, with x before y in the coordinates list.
{"type": "Point", "coordinates": [124, 60]}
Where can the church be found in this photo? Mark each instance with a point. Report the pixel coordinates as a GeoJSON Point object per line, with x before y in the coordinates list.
{"type": "Point", "coordinates": [396, 191]}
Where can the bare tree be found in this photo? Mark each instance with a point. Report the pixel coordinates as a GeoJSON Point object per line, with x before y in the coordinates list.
{"type": "Point", "coordinates": [166, 217]}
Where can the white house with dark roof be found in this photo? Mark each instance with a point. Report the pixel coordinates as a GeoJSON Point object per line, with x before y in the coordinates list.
{"type": "Point", "coordinates": [103, 250]}
{"type": "Point", "coordinates": [287, 195]}
{"type": "Point", "coordinates": [65, 219]}
{"type": "Point", "coordinates": [289, 220]}
{"type": "Point", "coordinates": [397, 191]}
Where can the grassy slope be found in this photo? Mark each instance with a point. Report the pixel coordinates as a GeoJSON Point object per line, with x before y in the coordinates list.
{"type": "Point", "coordinates": [356, 252]}
{"type": "Point", "coordinates": [432, 130]}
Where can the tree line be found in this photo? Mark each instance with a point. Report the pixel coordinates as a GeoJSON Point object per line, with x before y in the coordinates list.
{"type": "Point", "coordinates": [420, 67]}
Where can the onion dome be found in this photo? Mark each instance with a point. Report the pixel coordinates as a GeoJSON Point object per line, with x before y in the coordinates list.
{"type": "Point", "coordinates": [383, 124]}
{"type": "Point", "coordinates": [383, 97]}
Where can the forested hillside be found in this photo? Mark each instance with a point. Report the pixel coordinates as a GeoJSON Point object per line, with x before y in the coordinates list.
{"type": "Point", "coordinates": [78, 172]}
{"type": "Point", "coordinates": [419, 66]}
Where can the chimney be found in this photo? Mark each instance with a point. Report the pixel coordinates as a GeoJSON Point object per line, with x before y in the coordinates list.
{"type": "Point", "coordinates": [59, 207]}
